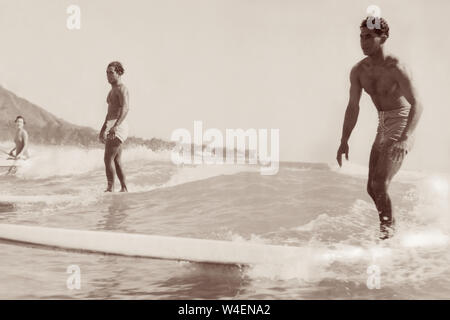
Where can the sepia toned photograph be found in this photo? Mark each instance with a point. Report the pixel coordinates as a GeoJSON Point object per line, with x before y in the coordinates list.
{"type": "Point", "coordinates": [256, 150]}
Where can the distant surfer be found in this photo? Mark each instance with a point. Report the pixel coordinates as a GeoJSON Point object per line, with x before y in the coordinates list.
{"type": "Point", "coordinates": [114, 131]}
{"type": "Point", "coordinates": [389, 85]}
{"type": "Point", "coordinates": [20, 152]}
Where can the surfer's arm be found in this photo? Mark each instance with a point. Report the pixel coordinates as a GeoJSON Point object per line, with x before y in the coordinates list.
{"type": "Point", "coordinates": [351, 114]}
{"type": "Point", "coordinates": [102, 136]}
{"type": "Point", "coordinates": [104, 124]}
{"type": "Point", "coordinates": [25, 144]}
{"type": "Point", "coordinates": [400, 147]}
{"type": "Point", "coordinates": [352, 111]}
{"type": "Point", "coordinates": [410, 93]}
{"type": "Point", "coordinates": [123, 106]}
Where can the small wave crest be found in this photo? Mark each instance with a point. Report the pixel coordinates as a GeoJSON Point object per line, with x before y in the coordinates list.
{"type": "Point", "coordinates": [361, 171]}
{"type": "Point", "coordinates": [50, 161]}
{"type": "Point", "coordinates": [345, 245]}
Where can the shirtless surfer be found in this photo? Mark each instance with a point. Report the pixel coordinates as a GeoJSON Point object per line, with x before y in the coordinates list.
{"type": "Point", "coordinates": [21, 141]}
{"type": "Point", "coordinates": [389, 85]}
{"type": "Point", "coordinates": [114, 131]}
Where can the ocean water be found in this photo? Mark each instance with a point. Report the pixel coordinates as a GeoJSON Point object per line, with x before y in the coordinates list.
{"type": "Point", "coordinates": [315, 206]}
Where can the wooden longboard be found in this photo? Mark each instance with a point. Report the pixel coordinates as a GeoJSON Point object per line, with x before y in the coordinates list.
{"type": "Point", "coordinates": [152, 246]}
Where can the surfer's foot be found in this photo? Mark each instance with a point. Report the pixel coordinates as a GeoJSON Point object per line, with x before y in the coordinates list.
{"type": "Point", "coordinates": [124, 189]}
{"type": "Point", "coordinates": [110, 187]}
{"type": "Point", "coordinates": [386, 231]}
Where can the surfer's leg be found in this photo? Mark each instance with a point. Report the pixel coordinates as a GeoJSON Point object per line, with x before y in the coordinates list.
{"type": "Point", "coordinates": [374, 156]}
{"type": "Point", "coordinates": [119, 168]}
{"type": "Point", "coordinates": [110, 153]}
{"type": "Point", "coordinates": [384, 172]}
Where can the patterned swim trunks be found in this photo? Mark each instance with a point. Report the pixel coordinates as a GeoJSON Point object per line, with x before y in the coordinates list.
{"type": "Point", "coordinates": [390, 127]}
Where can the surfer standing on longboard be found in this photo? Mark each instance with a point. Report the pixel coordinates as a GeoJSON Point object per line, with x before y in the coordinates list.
{"type": "Point", "coordinates": [21, 141]}
{"type": "Point", "coordinates": [386, 81]}
{"type": "Point", "coordinates": [114, 131]}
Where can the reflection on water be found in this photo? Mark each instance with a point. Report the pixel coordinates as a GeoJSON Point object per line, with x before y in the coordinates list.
{"type": "Point", "coordinates": [116, 215]}
{"type": "Point", "coordinates": [7, 207]}
{"type": "Point", "coordinates": [204, 281]}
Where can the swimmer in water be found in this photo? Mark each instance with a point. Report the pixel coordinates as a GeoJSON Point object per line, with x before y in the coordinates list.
{"type": "Point", "coordinates": [21, 141]}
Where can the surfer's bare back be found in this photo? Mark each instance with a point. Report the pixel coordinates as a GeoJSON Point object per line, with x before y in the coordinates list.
{"type": "Point", "coordinates": [386, 81]}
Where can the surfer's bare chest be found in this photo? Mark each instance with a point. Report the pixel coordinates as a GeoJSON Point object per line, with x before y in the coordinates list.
{"type": "Point", "coordinates": [113, 104]}
{"type": "Point", "coordinates": [378, 80]}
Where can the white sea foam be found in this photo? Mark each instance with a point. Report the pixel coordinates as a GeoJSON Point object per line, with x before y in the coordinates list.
{"type": "Point", "coordinates": [48, 161]}
{"type": "Point", "coordinates": [417, 252]}
{"type": "Point", "coordinates": [62, 165]}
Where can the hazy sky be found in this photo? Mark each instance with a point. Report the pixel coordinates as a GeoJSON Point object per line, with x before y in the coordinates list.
{"type": "Point", "coordinates": [230, 63]}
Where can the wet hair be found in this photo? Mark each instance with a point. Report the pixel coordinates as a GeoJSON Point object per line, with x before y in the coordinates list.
{"type": "Point", "coordinates": [117, 67]}
{"type": "Point", "coordinates": [20, 117]}
{"type": "Point", "coordinates": [383, 28]}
